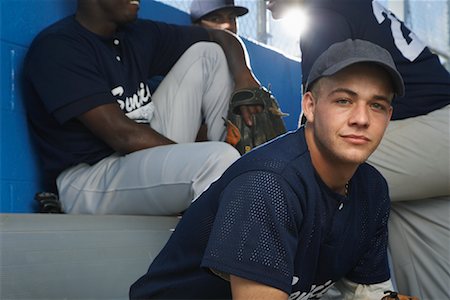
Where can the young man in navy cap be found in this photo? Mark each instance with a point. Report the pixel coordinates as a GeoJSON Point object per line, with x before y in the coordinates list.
{"type": "Point", "coordinates": [218, 14]}
{"type": "Point", "coordinates": [301, 213]}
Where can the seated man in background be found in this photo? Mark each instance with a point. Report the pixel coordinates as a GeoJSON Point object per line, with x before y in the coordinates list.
{"type": "Point", "coordinates": [110, 147]}
{"type": "Point", "coordinates": [295, 216]}
{"type": "Point", "coordinates": [218, 14]}
{"type": "Point", "coordinates": [414, 154]}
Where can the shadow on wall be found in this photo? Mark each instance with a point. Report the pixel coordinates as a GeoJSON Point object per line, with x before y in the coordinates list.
{"type": "Point", "coordinates": [22, 20]}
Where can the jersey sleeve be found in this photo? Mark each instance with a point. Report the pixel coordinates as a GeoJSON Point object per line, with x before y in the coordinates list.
{"type": "Point", "coordinates": [65, 75]}
{"type": "Point", "coordinates": [326, 27]}
{"type": "Point", "coordinates": [254, 235]}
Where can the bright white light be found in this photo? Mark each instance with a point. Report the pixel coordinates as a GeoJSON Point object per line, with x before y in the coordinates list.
{"type": "Point", "coordinates": [294, 22]}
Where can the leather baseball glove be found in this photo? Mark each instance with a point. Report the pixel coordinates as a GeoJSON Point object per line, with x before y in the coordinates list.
{"type": "Point", "coordinates": [396, 296]}
{"type": "Point", "coordinates": [266, 124]}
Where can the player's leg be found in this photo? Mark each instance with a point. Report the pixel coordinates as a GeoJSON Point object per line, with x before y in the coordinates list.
{"type": "Point", "coordinates": [157, 181]}
{"type": "Point", "coordinates": [414, 156]}
{"type": "Point", "coordinates": [198, 87]}
{"type": "Point", "coordinates": [419, 242]}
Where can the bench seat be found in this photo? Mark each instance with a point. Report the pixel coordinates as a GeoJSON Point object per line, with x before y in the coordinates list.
{"type": "Point", "coordinates": [51, 256]}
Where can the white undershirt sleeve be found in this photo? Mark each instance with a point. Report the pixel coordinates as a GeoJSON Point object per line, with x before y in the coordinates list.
{"type": "Point", "coordinates": [355, 291]}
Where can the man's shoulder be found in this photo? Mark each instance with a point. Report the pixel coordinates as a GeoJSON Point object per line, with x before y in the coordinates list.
{"type": "Point", "coordinates": [369, 177]}
{"type": "Point", "coordinates": [345, 7]}
{"type": "Point", "coordinates": [58, 33]}
{"type": "Point", "coordinates": [278, 155]}
{"type": "Point", "coordinates": [368, 169]}
{"type": "Point", "coordinates": [63, 26]}
{"type": "Point", "coordinates": [52, 40]}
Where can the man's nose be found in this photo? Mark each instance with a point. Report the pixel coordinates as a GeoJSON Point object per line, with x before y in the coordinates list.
{"type": "Point", "coordinates": [360, 115]}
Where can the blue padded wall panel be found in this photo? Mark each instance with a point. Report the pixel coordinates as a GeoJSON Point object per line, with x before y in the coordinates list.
{"type": "Point", "coordinates": [20, 195]}
{"type": "Point", "coordinates": [21, 20]}
{"type": "Point", "coordinates": [158, 11]}
{"type": "Point", "coordinates": [19, 169]}
{"type": "Point", "coordinates": [12, 57]}
{"type": "Point", "coordinates": [18, 155]}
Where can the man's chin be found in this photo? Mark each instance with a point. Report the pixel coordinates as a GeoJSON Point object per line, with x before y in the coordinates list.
{"type": "Point", "coordinates": [129, 19]}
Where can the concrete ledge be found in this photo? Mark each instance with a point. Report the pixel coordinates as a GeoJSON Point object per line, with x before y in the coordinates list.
{"type": "Point", "coordinates": [47, 256]}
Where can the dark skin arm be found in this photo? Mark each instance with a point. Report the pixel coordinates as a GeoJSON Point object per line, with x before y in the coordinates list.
{"type": "Point", "coordinates": [124, 135]}
{"type": "Point", "coordinates": [239, 65]}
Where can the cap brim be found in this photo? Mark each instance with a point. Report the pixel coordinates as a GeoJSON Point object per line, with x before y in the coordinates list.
{"type": "Point", "coordinates": [238, 10]}
{"type": "Point", "coordinates": [399, 88]}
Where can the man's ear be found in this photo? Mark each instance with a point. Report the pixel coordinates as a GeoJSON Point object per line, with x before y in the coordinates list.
{"type": "Point", "coordinates": [308, 106]}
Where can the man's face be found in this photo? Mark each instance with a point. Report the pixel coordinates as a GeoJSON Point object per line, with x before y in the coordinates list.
{"type": "Point", "coordinates": [221, 19]}
{"type": "Point", "coordinates": [119, 11]}
{"type": "Point", "coordinates": [348, 113]}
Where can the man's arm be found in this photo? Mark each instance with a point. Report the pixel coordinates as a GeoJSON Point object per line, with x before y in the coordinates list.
{"type": "Point", "coordinates": [239, 64]}
{"type": "Point", "coordinates": [124, 135]}
{"type": "Point", "coordinates": [243, 289]}
{"type": "Point", "coordinates": [237, 57]}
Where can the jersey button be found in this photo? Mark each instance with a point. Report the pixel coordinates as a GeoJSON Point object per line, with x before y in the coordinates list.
{"type": "Point", "coordinates": [116, 42]}
{"type": "Point", "coordinates": [341, 206]}
{"type": "Point", "coordinates": [118, 58]}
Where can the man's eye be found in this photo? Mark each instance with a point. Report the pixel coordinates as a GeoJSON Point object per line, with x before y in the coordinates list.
{"type": "Point", "coordinates": [343, 101]}
{"type": "Point", "coordinates": [379, 106]}
{"type": "Point", "coordinates": [214, 19]}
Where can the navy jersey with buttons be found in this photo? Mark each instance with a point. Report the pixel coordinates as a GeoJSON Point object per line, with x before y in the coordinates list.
{"type": "Point", "coordinates": [70, 70]}
{"type": "Point", "coordinates": [272, 220]}
{"type": "Point", "coordinates": [427, 82]}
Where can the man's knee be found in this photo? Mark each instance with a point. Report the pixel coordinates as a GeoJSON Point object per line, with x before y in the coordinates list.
{"type": "Point", "coordinates": [223, 154]}
{"type": "Point", "coordinates": [207, 49]}
{"type": "Point", "coordinates": [219, 157]}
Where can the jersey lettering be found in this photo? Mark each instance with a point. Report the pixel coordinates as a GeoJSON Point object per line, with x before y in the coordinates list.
{"type": "Point", "coordinates": [409, 50]}
{"type": "Point", "coordinates": [137, 107]}
{"type": "Point", "coordinates": [316, 291]}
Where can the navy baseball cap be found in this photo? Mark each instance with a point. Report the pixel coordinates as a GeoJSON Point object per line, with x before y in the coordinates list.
{"type": "Point", "coordinates": [200, 8]}
{"type": "Point", "coordinates": [343, 54]}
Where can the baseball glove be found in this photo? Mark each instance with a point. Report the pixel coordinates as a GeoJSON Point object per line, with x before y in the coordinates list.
{"type": "Point", "coordinates": [266, 124]}
{"type": "Point", "coordinates": [390, 295]}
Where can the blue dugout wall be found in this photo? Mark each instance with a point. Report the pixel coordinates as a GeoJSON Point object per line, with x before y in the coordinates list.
{"type": "Point", "coordinates": [21, 20]}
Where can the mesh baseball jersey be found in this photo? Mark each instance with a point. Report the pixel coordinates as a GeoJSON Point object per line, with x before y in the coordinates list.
{"type": "Point", "coordinates": [272, 220]}
{"type": "Point", "coordinates": [70, 70]}
{"type": "Point", "coordinates": [427, 82]}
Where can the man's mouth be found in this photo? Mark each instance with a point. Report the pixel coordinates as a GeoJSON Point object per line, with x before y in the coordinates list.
{"type": "Point", "coordinates": [356, 139]}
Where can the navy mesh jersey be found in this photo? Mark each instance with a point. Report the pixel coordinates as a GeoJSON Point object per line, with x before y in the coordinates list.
{"type": "Point", "coordinates": [270, 219]}
{"type": "Point", "coordinates": [427, 82]}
